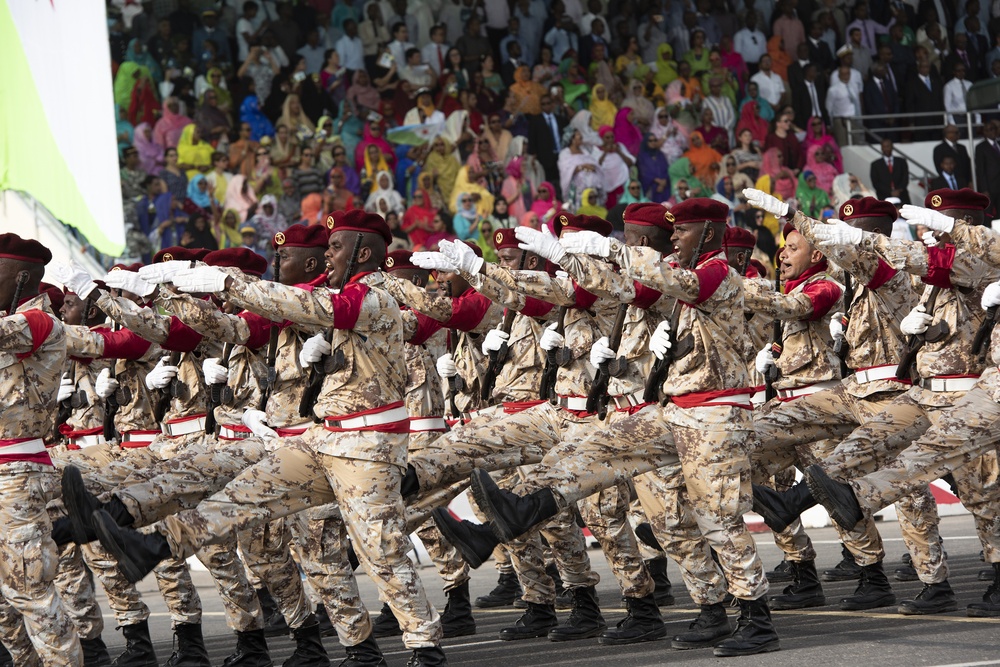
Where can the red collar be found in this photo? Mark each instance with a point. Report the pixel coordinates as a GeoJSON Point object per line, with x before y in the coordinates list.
{"type": "Point", "coordinates": [806, 275]}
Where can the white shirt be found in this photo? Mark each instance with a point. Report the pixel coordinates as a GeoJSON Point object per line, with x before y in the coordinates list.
{"type": "Point", "coordinates": [352, 52]}
{"type": "Point", "coordinates": [814, 96]}
{"type": "Point", "coordinates": [429, 54]}
{"type": "Point", "coordinates": [842, 100]}
{"type": "Point", "coordinates": [398, 50]}
{"type": "Point", "coordinates": [954, 99]}
{"type": "Point", "coordinates": [243, 26]}
{"type": "Point", "coordinates": [751, 44]}
{"type": "Point", "coordinates": [771, 87]}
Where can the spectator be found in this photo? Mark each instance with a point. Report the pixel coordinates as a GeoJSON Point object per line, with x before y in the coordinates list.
{"type": "Point", "coordinates": [954, 96]}
{"type": "Point", "coordinates": [890, 175]}
{"type": "Point", "coordinates": [434, 52]}
{"type": "Point", "coordinates": [209, 31]}
{"type": "Point", "coordinates": [750, 42]}
{"type": "Point", "coordinates": [950, 147]}
{"type": "Point", "coordinates": [305, 176]}
{"type": "Point", "coordinates": [809, 97]}
{"type": "Point", "coordinates": [373, 32]}
{"type": "Point", "coordinates": [173, 176]}
{"type": "Point", "coordinates": [789, 28]}
{"type": "Point", "coordinates": [472, 45]}
{"type": "Point", "coordinates": [268, 221]}
{"type": "Point", "coordinates": [924, 94]}
{"type": "Point", "coordinates": [988, 164]}
{"type": "Point", "coordinates": [770, 85]}
{"type": "Point", "coordinates": [783, 138]}
{"type": "Point", "coordinates": [947, 176]}
{"type": "Point", "coordinates": [351, 49]}
{"type": "Point", "coordinates": [261, 66]}
{"type": "Point", "coordinates": [880, 98]}
{"type": "Point", "coordinates": [860, 57]}
{"type": "Point", "coordinates": [314, 52]}
{"type": "Point", "coordinates": [870, 29]}
{"type": "Point", "coordinates": [150, 153]}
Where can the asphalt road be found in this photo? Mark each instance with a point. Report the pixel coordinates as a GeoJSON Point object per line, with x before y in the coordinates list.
{"type": "Point", "coordinates": [818, 636]}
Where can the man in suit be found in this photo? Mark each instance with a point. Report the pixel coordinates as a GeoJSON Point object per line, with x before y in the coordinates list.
{"type": "Point", "coordinates": [809, 97]}
{"type": "Point", "coordinates": [890, 175]}
{"type": "Point", "coordinates": [948, 177]}
{"type": "Point", "coordinates": [988, 165]}
{"type": "Point", "coordinates": [951, 148]}
{"type": "Point", "coordinates": [924, 93]}
{"type": "Point", "coordinates": [880, 98]}
{"type": "Point", "coordinates": [819, 50]}
{"type": "Point", "coordinates": [545, 139]}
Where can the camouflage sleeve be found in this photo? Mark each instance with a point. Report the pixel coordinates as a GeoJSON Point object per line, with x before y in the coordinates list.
{"type": "Point", "coordinates": [279, 302]}
{"type": "Point", "coordinates": [760, 298]}
{"type": "Point", "coordinates": [909, 256]}
{"type": "Point", "coordinates": [863, 266]}
{"type": "Point", "coordinates": [145, 322]}
{"type": "Point", "coordinates": [84, 342]}
{"type": "Point", "coordinates": [647, 266]}
{"type": "Point", "coordinates": [980, 241]}
{"type": "Point", "coordinates": [595, 276]}
{"type": "Point", "coordinates": [497, 292]}
{"type": "Point", "coordinates": [208, 320]}
{"type": "Point", "coordinates": [536, 284]}
{"type": "Point", "coordinates": [410, 322]}
{"type": "Point", "coordinates": [22, 333]}
{"type": "Point", "coordinates": [406, 293]}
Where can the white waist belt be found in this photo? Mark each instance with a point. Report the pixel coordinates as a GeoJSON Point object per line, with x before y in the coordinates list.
{"type": "Point", "coordinates": [759, 398]}
{"type": "Point", "coordinates": [184, 428]}
{"type": "Point", "coordinates": [578, 403]}
{"type": "Point", "coordinates": [797, 392]}
{"type": "Point", "coordinates": [88, 440]}
{"type": "Point", "coordinates": [377, 419]}
{"type": "Point", "coordinates": [626, 401]}
{"type": "Point", "coordinates": [736, 398]}
{"type": "Point", "coordinates": [139, 436]}
{"type": "Point", "coordinates": [948, 384]}
{"type": "Point", "coordinates": [418, 424]}
{"type": "Point", "coordinates": [35, 446]}
{"type": "Point", "coordinates": [876, 373]}
{"type": "Point", "coordinates": [232, 434]}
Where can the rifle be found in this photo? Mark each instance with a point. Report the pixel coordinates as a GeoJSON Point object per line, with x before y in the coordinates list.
{"type": "Point", "coordinates": [597, 397]}
{"type": "Point", "coordinates": [915, 342]}
{"type": "Point", "coordinates": [22, 279]}
{"type": "Point", "coordinates": [840, 345]}
{"type": "Point", "coordinates": [984, 331]}
{"type": "Point", "coordinates": [272, 348]}
{"type": "Point", "coordinates": [547, 392]}
{"type": "Point", "coordinates": [333, 362]}
{"type": "Point", "coordinates": [218, 394]}
{"type": "Point", "coordinates": [499, 357]}
{"type": "Point", "coordinates": [651, 392]}
{"type": "Point", "coordinates": [168, 392]}
{"type": "Point", "coordinates": [77, 399]}
{"type": "Point", "coordinates": [776, 340]}
{"type": "Point", "coordinates": [111, 403]}
{"type": "Point", "coordinates": [455, 383]}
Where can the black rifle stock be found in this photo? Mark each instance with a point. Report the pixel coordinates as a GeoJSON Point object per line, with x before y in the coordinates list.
{"type": "Point", "coordinates": [984, 331]}
{"type": "Point", "coordinates": [547, 392]}
{"type": "Point", "coordinates": [168, 392]}
{"type": "Point", "coordinates": [499, 357]}
{"type": "Point", "coordinates": [111, 404]}
{"type": "Point", "coordinates": [272, 348]}
{"type": "Point", "coordinates": [218, 394]}
{"type": "Point", "coordinates": [597, 397]}
{"type": "Point", "coordinates": [771, 376]}
{"type": "Point", "coordinates": [916, 341]}
{"type": "Point", "coordinates": [840, 344]}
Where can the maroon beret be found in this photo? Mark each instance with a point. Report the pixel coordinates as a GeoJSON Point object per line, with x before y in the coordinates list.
{"type": "Point", "coordinates": [867, 207]}
{"type": "Point", "coordinates": [134, 268]}
{"type": "Point", "coordinates": [965, 199]}
{"type": "Point", "coordinates": [505, 238]}
{"type": "Point", "coordinates": [56, 296]}
{"type": "Point", "coordinates": [302, 236]}
{"type": "Point", "coordinates": [587, 223]}
{"type": "Point", "coordinates": [243, 259]}
{"type": "Point", "coordinates": [475, 248]}
{"type": "Point", "coordinates": [357, 220]}
{"type": "Point", "coordinates": [738, 237]}
{"type": "Point", "coordinates": [397, 260]}
{"type": "Point", "coordinates": [13, 246]}
{"type": "Point", "coordinates": [180, 253]}
{"type": "Point", "coordinates": [698, 210]}
{"type": "Point", "coordinates": [649, 215]}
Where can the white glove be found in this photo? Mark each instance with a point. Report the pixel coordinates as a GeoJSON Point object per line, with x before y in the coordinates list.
{"type": "Point", "coordinates": [601, 352]}
{"type": "Point", "coordinates": [446, 367]}
{"type": "Point", "coordinates": [764, 360]}
{"type": "Point", "coordinates": [163, 272]}
{"type": "Point", "coordinates": [550, 340]}
{"type": "Point", "coordinates": [929, 239]}
{"type": "Point", "coordinates": [462, 256]}
{"type": "Point", "coordinates": [991, 295]}
{"type": "Point", "coordinates": [204, 279]}
{"type": "Point", "coordinates": [837, 234]}
{"type": "Point", "coordinates": [916, 322]}
{"type": "Point", "coordinates": [105, 385]}
{"type": "Point", "coordinates": [494, 340]}
{"type": "Point", "coordinates": [215, 372]}
{"type": "Point", "coordinates": [586, 243]}
{"type": "Point", "coordinates": [75, 278]}
{"type": "Point", "coordinates": [542, 244]}
{"type": "Point", "coordinates": [918, 215]}
{"type": "Point", "coordinates": [433, 261]}
{"type": "Point", "coordinates": [313, 350]}
{"type": "Point", "coordinates": [837, 326]}
{"type": "Point", "coordinates": [66, 388]}
{"type": "Point", "coordinates": [162, 373]}
{"type": "Point", "coordinates": [659, 342]}
{"type": "Point", "coordinates": [130, 282]}
{"type": "Point", "coordinates": [256, 421]}
{"type": "Point", "coordinates": [762, 200]}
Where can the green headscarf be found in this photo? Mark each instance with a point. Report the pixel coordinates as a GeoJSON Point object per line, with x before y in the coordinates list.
{"type": "Point", "coordinates": [629, 198]}
{"type": "Point", "coordinates": [812, 201]}
{"type": "Point", "coordinates": [128, 75]}
{"type": "Point", "coordinates": [666, 68]}
{"type": "Point", "coordinates": [591, 209]}
{"type": "Point", "coordinates": [485, 244]}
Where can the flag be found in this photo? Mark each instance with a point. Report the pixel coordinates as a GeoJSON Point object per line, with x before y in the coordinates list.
{"type": "Point", "coordinates": [57, 115]}
{"type": "Point", "coordinates": [414, 135]}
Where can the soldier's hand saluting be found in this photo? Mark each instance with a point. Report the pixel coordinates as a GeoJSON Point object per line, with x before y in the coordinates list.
{"type": "Point", "coordinates": [765, 202]}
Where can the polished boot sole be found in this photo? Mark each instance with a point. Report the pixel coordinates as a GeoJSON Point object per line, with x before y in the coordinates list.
{"type": "Point", "coordinates": [464, 631]}
{"type": "Point", "coordinates": [773, 521]}
{"type": "Point", "coordinates": [982, 613]}
{"type": "Point", "coordinates": [910, 610]}
{"type": "Point", "coordinates": [769, 647]}
{"type": "Point", "coordinates": [816, 478]}
{"type": "Point", "coordinates": [886, 601]}
{"type": "Point", "coordinates": [108, 534]}
{"type": "Point", "coordinates": [469, 554]}
{"type": "Point", "coordinates": [681, 645]}
{"type": "Point", "coordinates": [498, 522]}
{"type": "Point", "coordinates": [511, 637]}
{"type": "Point", "coordinates": [651, 636]}
{"type": "Point", "coordinates": [778, 605]}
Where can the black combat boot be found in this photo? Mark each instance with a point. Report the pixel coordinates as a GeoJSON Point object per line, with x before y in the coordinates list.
{"type": "Point", "coordinates": [804, 591]}
{"type": "Point", "coordinates": [409, 486]}
{"type": "Point", "coordinates": [754, 631]}
{"type": "Point", "coordinates": [137, 553]}
{"type": "Point", "coordinates": [658, 571]}
{"type": "Point", "coordinates": [584, 622]}
{"type": "Point", "coordinates": [95, 653]}
{"type": "Point", "coordinates": [510, 514]}
{"type": "Point", "coordinates": [643, 623]}
{"type": "Point", "coordinates": [781, 574]}
{"type": "Point", "coordinates": [457, 620]}
{"type": "Point", "coordinates": [536, 621]}
{"type": "Point", "coordinates": [645, 533]}
{"type": "Point", "coordinates": [365, 654]}
{"type": "Point", "coordinates": [63, 533]}
{"type": "Point", "coordinates": [932, 599]}
{"type": "Point", "coordinates": [309, 651]}
{"type": "Point", "coordinates": [837, 497]}
{"type": "Point", "coordinates": [80, 504]}
{"type": "Point", "coordinates": [386, 624]}
{"type": "Point", "coordinates": [846, 570]}
{"type": "Point", "coordinates": [138, 647]}
{"type": "Point", "coordinates": [907, 572]}
{"type": "Point", "coordinates": [990, 606]}
{"type": "Point", "coordinates": [251, 651]}
{"type": "Point", "coordinates": [873, 590]}
{"type": "Point", "coordinates": [779, 509]}
{"type": "Point", "coordinates": [507, 590]}
{"type": "Point", "coordinates": [711, 626]}
{"type": "Point", "coordinates": [190, 651]}
{"type": "Point", "coordinates": [275, 624]}
{"type": "Point", "coordinates": [474, 541]}
{"type": "Point", "coordinates": [427, 657]}
{"type": "Point", "coordinates": [6, 659]}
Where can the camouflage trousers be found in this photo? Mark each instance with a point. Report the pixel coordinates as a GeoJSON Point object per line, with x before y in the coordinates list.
{"type": "Point", "coordinates": [265, 552]}
{"type": "Point", "coordinates": [709, 443]}
{"type": "Point", "coordinates": [32, 618]}
{"type": "Point", "coordinates": [296, 477]}
{"type": "Point", "coordinates": [637, 517]}
{"type": "Point", "coordinates": [909, 438]}
{"type": "Point", "coordinates": [801, 432]}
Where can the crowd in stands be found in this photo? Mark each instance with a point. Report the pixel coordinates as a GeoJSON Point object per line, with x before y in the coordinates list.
{"type": "Point", "coordinates": [455, 117]}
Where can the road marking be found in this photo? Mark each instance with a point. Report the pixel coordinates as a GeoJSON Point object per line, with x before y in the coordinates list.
{"type": "Point", "coordinates": [970, 664]}
{"type": "Point", "coordinates": [450, 646]}
{"type": "Point", "coordinates": [895, 617]}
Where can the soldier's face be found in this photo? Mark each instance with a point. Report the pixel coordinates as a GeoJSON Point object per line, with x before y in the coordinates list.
{"type": "Point", "coordinates": [685, 239]}
{"type": "Point", "coordinates": [510, 258]}
{"type": "Point", "coordinates": [72, 309]}
{"type": "Point", "coordinates": [797, 257]}
{"type": "Point", "coordinates": [451, 284]}
{"type": "Point", "coordinates": [338, 256]}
